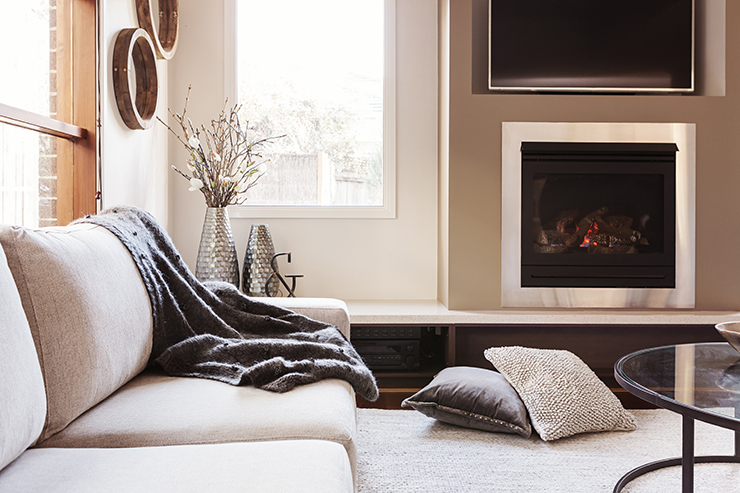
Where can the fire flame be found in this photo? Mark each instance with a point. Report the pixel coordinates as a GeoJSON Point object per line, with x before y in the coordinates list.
{"type": "Point", "coordinates": [593, 230]}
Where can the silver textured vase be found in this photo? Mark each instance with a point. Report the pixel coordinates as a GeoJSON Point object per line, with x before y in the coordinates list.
{"type": "Point", "coordinates": [257, 268]}
{"type": "Point", "coordinates": [217, 260]}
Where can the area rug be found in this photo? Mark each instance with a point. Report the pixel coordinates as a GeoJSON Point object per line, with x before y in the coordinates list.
{"type": "Point", "coordinates": [405, 451]}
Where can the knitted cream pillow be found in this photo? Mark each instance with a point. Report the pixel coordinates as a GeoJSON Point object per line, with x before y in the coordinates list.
{"type": "Point", "coordinates": [562, 394]}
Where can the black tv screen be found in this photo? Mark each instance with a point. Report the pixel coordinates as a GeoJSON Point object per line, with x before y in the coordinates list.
{"type": "Point", "coordinates": [591, 45]}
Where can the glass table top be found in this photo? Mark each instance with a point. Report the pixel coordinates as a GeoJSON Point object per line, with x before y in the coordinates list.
{"type": "Point", "coordinates": [700, 379]}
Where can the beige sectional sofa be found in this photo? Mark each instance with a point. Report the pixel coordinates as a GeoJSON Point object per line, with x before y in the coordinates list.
{"type": "Point", "coordinates": [80, 410]}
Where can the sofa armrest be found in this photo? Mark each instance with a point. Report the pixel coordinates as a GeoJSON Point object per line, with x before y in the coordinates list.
{"type": "Point", "coordinates": [328, 310]}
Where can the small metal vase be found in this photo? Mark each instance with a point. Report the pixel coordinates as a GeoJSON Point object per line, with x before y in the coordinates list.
{"type": "Point", "coordinates": [217, 260]}
{"type": "Point", "coordinates": [257, 268]}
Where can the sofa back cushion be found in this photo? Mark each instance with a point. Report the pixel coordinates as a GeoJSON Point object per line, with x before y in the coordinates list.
{"type": "Point", "coordinates": [22, 396]}
{"type": "Point", "coordinates": [88, 311]}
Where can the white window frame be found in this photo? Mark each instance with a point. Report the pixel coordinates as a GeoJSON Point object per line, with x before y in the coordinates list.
{"type": "Point", "coordinates": [388, 209]}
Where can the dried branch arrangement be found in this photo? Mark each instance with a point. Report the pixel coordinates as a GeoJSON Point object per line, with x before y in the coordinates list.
{"type": "Point", "coordinates": [224, 161]}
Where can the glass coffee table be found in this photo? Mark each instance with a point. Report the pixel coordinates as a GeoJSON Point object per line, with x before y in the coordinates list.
{"type": "Point", "coordinates": [697, 381]}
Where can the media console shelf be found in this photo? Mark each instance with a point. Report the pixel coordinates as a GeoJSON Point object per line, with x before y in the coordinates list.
{"type": "Point", "coordinates": [598, 337]}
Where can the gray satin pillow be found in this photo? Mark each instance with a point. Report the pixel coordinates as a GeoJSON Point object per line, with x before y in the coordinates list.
{"type": "Point", "coordinates": [473, 398]}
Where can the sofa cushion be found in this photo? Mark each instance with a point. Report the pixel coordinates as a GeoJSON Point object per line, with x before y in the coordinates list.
{"type": "Point", "coordinates": [88, 311]}
{"type": "Point", "coordinates": [22, 396]}
{"type": "Point", "coordinates": [156, 409]}
{"type": "Point", "coordinates": [301, 465]}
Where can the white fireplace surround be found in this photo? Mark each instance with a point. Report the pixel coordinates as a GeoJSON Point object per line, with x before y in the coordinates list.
{"type": "Point", "coordinates": [513, 295]}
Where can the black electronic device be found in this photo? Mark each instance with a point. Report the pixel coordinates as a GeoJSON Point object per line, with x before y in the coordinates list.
{"type": "Point", "coordinates": [391, 354]}
{"type": "Point", "coordinates": [388, 347]}
{"type": "Point", "coordinates": [385, 332]}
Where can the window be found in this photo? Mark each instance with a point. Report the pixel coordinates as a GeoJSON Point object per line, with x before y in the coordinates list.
{"type": "Point", "coordinates": [47, 135]}
{"type": "Point", "coordinates": [321, 73]}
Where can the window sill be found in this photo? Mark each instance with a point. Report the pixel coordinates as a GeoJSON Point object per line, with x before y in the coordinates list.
{"type": "Point", "coordinates": [313, 212]}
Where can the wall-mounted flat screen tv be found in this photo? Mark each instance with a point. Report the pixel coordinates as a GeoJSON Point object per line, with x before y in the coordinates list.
{"type": "Point", "coordinates": [591, 45]}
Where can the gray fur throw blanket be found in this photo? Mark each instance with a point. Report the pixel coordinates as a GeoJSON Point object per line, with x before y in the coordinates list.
{"type": "Point", "coordinates": [212, 330]}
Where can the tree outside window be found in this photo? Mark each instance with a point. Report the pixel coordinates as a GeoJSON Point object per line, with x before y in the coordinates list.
{"type": "Point", "coordinates": [314, 72]}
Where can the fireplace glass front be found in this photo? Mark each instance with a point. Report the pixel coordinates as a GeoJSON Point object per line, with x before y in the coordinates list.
{"type": "Point", "coordinates": [598, 215]}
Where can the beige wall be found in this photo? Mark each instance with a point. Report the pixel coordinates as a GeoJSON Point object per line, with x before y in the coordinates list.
{"type": "Point", "coordinates": [447, 249]}
{"type": "Point", "coordinates": [475, 162]}
{"type": "Point", "coordinates": [443, 50]}
{"type": "Point", "coordinates": [343, 258]}
{"type": "Point", "coordinates": [133, 162]}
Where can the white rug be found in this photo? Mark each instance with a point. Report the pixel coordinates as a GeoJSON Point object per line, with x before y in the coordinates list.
{"type": "Point", "coordinates": [405, 451]}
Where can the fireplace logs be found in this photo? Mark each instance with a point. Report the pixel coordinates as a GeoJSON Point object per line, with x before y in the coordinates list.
{"type": "Point", "coordinates": [598, 234]}
{"type": "Point", "coordinates": [552, 237]}
{"type": "Point", "coordinates": [564, 219]}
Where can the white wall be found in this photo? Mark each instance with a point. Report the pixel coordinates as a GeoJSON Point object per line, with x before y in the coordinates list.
{"type": "Point", "coordinates": [134, 162]}
{"type": "Point", "coordinates": [343, 258]}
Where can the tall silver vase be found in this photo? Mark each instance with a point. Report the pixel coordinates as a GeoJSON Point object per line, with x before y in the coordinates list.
{"type": "Point", "coordinates": [257, 268]}
{"type": "Point", "coordinates": [217, 260]}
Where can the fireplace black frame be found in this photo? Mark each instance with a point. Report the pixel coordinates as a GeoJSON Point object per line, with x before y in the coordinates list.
{"type": "Point", "coordinates": [656, 270]}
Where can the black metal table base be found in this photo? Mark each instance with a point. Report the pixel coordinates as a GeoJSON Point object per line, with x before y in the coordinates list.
{"type": "Point", "coordinates": [687, 461]}
{"type": "Point", "coordinates": [660, 464]}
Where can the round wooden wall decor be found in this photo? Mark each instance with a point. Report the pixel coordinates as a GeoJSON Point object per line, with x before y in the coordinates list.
{"type": "Point", "coordinates": [165, 40]}
{"type": "Point", "coordinates": [137, 110]}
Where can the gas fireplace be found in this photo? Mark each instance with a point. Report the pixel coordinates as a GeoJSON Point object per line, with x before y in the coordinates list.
{"type": "Point", "coordinates": [598, 215]}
